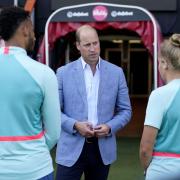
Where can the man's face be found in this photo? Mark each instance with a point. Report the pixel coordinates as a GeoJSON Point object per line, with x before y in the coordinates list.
{"type": "Point", "coordinates": [89, 46]}
{"type": "Point", "coordinates": [31, 38]}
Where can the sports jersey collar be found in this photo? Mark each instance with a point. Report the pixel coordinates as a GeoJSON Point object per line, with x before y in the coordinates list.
{"type": "Point", "coordinates": [12, 50]}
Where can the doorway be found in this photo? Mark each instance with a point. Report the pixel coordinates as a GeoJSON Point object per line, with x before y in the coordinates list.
{"type": "Point", "coordinates": [124, 49]}
{"type": "Point", "coordinates": [129, 53]}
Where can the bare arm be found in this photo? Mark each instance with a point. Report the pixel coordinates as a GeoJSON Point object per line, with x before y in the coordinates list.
{"type": "Point", "coordinates": [147, 145]}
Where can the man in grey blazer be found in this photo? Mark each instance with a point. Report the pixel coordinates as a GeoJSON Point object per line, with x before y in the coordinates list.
{"type": "Point", "coordinates": [95, 105]}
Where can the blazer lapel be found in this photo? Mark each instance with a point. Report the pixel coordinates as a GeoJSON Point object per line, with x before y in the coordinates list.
{"type": "Point", "coordinates": [103, 80]}
{"type": "Point", "coordinates": [80, 82]}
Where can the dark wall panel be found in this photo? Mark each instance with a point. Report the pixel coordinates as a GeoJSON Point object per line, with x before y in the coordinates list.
{"type": "Point", "coordinates": [152, 5]}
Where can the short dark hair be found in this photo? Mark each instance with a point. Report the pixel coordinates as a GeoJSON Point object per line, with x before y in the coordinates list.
{"type": "Point", "coordinates": [10, 19]}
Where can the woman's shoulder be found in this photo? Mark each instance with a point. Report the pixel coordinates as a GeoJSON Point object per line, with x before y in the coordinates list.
{"type": "Point", "coordinates": [169, 88]}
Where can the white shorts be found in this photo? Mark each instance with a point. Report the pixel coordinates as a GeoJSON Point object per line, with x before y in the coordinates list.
{"type": "Point", "coordinates": [163, 168]}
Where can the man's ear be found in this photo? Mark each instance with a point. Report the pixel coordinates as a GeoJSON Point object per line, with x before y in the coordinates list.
{"type": "Point", "coordinates": [78, 45]}
{"type": "Point", "coordinates": [25, 29]}
{"type": "Point", "coordinates": [21, 30]}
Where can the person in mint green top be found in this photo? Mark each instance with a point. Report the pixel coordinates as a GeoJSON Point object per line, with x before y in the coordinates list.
{"type": "Point", "coordinates": [160, 147]}
{"type": "Point", "coordinates": [29, 103]}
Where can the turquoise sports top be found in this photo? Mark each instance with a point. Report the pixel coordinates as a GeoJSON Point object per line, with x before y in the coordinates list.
{"type": "Point", "coordinates": [163, 112]}
{"type": "Point", "coordinates": [29, 116]}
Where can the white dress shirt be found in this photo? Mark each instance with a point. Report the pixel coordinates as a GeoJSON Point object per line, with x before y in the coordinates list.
{"type": "Point", "coordinates": [92, 87]}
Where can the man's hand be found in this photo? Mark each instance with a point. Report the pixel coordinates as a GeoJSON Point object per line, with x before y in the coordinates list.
{"type": "Point", "coordinates": [102, 130]}
{"type": "Point", "coordinates": [84, 128]}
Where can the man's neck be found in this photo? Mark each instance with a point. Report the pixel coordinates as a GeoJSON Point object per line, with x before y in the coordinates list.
{"type": "Point", "coordinates": [15, 42]}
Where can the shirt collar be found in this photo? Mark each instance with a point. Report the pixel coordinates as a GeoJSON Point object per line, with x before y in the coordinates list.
{"type": "Point", "coordinates": [84, 64]}
{"type": "Point", "coordinates": [12, 50]}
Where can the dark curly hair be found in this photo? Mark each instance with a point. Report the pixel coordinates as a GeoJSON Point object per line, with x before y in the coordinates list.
{"type": "Point", "coordinates": [10, 19]}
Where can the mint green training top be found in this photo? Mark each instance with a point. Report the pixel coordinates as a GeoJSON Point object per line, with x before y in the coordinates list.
{"type": "Point", "coordinates": [29, 116]}
{"type": "Point", "coordinates": [163, 113]}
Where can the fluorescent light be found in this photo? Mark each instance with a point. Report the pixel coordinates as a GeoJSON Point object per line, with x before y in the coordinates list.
{"type": "Point", "coordinates": [117, 41]}
{"type": "Point", "coordinates": [134, 41]}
